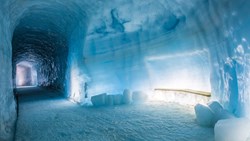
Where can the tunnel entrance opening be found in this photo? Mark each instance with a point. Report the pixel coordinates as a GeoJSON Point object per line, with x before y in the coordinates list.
{"type": "Point", "coordinates": [26, 75]}
{"type": "Point", "coordinates": [39, 53]}
{"type": "Point", "coordinates": [50, 36]}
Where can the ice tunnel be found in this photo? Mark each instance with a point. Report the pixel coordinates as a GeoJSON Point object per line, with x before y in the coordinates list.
{"type": "Point", "coordinates": [85, 48]}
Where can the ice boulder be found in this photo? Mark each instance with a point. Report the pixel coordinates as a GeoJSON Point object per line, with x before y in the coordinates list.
{"type": "Point", "coordinates": [219, 112]}
{"type": "Point", "coordinates": [224, 114]}
{"type": "Point", "coordinates": [139, 96]}
{"type": "Point", "coordinates": [204, 115]}
{"type": "Point", "coordinates": [109, 100]}
{"type": "Point", "coordinates": [127, 97]}
{"type": "Point", "coordinates": [236, 129]}
{"type": "Point", "coordinates": [118, 99]}
{"type": "Point", "coordinates": [98, 100]}
{"type": "Point", "coordinates": [215, 106]}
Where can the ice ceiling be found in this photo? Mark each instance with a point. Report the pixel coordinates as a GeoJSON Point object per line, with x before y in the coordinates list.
{"type": "Point", "coordinates": [138, 45]}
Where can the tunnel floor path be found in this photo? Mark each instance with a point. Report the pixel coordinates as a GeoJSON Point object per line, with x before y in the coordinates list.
{"type": "Point", "coordinates": [44, 115]}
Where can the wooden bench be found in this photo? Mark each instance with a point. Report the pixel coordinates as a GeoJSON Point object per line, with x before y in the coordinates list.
{"type": "Point", "coordinates": [201, 93]}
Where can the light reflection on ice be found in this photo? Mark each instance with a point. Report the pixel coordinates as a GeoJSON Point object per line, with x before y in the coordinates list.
{"type": "Point", "coordinates": [182, 98]}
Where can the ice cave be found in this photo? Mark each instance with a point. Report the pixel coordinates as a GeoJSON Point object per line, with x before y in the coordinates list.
{"type": "Point", "coordinates": [124, 70]}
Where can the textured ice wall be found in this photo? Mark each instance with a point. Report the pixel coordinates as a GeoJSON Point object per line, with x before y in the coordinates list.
{"type": "Point", "coordinates": [229, 51]}
{"type": "Point", "coordinates": [140, 45]}
{"type": "Point", "coordinates": [40, 33]}
{"type": "Point", "coordinates": [222, 29]}
{"type": "Point", "coordinates": [146, 45]}
{"type": "Point", "coordinates": [182, 44]}
{"type": "Point", "coordinates": [47, 52]}
{"type": "Point", "coordinates": [7, 103]}
{"type": "Point", "coordinates": [49, 35]}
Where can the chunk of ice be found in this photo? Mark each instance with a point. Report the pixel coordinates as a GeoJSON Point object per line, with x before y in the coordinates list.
{"type": "Point", "coordinates": [117, 99]}
{"type": "Point", "coordinates": [98, 100]}
{"type": "Point", "coordinates": [219, 112]}
{"type": "Point", "coordinates": [236, 129]}
{"type": "Point", "coordinates": [215, 106]}
{"type": "Point", "coordinates": [204, 115]}
{"type": "Point", "coordinates": [127, 97]}
{"type": "Point", "coordinates": [109, 100]}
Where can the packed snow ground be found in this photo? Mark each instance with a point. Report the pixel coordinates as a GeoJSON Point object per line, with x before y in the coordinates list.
{"type": "Point", "coordinates": [46, 116]}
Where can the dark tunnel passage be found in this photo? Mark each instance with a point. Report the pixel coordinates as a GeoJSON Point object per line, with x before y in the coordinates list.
{"type": "Point", "coordinates": [42, 39]}
{"type": "Point", "coordinates": [46, 49]}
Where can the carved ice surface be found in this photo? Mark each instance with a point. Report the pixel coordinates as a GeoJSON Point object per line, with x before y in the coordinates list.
{"type": "Point", "coordinates": [237, 129]}
{"type": "Point", "coordinates": [88, 47]}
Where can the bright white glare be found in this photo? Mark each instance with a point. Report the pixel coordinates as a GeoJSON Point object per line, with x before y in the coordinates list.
{"type": "Point", "coordinates": [179, 97]}
{"type": "Point", "coordinates": [180, 55]}
{"type": "Point", "coordinates": [26, 74]}
{"type": "Point", "coordinates": [189, 70]}
{"type": "Point", "coordinates": [75, 88]}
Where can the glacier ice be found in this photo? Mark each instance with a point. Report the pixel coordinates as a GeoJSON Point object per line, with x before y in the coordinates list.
{"type": "Point", "coordinates": [117, 99]}
{"type": "Point", "coordinates": [127, 97]}
{"type": "Point", "coordinates": [181, 44]}
{"type": "Point", "coordinates": [219, 112]}
{"type": "Point", "coordinates": [109, 101]}
{"type": "Point", "coordinates": [237, 129]}
{"type": "Point", "coordinates": [215, 106]}
{"type": "Point", "coordinates": [99, 100]}
{"type": "Point", "coordinates": [139, 97]}
{"type": "Point", "coordinates": [204, 115]}
{"type": "Point", "coordinates": [209, 115]}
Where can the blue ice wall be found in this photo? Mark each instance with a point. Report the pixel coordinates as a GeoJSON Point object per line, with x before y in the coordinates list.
{"type": "Point", "coordinates": [229, 54]}
{"type": "Point", "coordinates": [200, 45]}
{"type": "Point", "coordinates": [7, 103]}
{"type": "Point", "coordinates": [76, 72]}
{"type": "Point", "coordinates": [139, 45]}
{"type": "Point", "coordinates": [43, 36]}
{"type": "Point", "coordinates": [151, 46]}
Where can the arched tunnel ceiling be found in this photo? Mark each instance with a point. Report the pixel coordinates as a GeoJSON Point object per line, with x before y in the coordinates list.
{"type": "Point", "coordinates": [47, 31]}
{"type": "Point", "coordinates": [44, 30]}
{"type": "Point", "coordinates": [36, 45]}
{"type": "Point", "coordinates": [42, 35]}
{"type": "Point", "coordinates": [51, 23]}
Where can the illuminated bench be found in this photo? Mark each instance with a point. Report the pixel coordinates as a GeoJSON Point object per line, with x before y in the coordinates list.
{"type": "Point", "coordinates": [201, 93]}
{"type": "Point", "coordinates": [182, 96]}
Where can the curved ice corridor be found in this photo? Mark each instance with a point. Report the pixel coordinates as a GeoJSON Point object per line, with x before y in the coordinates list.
{"type": "Point", "coordinates": [125, 70]}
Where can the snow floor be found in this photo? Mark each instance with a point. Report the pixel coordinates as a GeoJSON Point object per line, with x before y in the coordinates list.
{"type": "Point", "coordinates": [46, 116]}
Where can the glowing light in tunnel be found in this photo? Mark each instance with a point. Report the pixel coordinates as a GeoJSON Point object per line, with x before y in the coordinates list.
{"type": "Point", "coordinates": [180, 71]}
{"type": "Point", "coordinates": [75, 89]}
{"type": "Point", "coordinates": [77, 82]}
{"type": "Point", "coordinates": [179, 97]}
{"type": "Point", "coordinates": [189, 70]}
{"type": "Point", "coordinates": [26, 74]}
